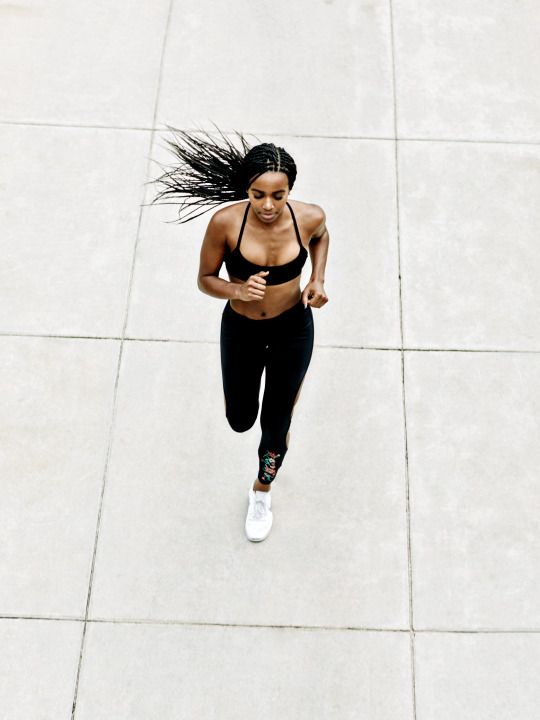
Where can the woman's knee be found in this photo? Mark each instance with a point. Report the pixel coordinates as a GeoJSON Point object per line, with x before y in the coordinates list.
{"type": "Point", "coordinates": [241, 422]}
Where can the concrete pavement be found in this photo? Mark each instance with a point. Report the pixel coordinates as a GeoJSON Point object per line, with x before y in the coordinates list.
{"type": "Point", "coordinates": [400, 580]}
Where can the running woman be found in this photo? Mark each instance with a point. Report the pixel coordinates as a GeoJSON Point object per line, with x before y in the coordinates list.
{"type": "Point", "coordinates": [263, 238]}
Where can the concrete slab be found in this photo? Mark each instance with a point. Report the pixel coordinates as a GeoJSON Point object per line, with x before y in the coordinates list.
{"type": "Point", "coordinates": [464, 70]}
{"type": "Point", "coordinates": [84, 62]}
{"type": "Point", "coordinates": [280, 67]}
{"type": "Point", "coordinates": [229, 672]}
{"type": "Point", "coordinates": [70, 207]}
{"type": "Point", "coordinates": [55, 414]}
{"type": "Point", "coordinates": [38, 667]}
{"type": "Point", "coordinates": [473, 422]}
{"type": "Point", "coordinates": [172, 541]}
{"type": "Point", "coordinates": [477, 676]}
{"type": "Point", "coordinates": [470, 262]}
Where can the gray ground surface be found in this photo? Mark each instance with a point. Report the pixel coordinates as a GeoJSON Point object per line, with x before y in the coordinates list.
{"type": "Point", "coordinates": [400, 580]}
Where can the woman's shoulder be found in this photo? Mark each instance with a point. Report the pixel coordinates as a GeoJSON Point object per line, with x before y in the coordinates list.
{"type": "Point", "coordinates": [224, 223]}
{"type": "Point", "coordinates": [310, 215]}
{"type": "Point", "coordinates": [228, 214]}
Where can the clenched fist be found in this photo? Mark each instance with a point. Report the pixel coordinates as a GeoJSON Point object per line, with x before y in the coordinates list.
{"type": "Point", "coordinates": [314, 294]}
{"type": "Point", "coordinates": [254, 287]}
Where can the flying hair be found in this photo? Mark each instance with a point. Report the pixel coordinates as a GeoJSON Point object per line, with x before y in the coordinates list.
{"type": "Point", "coordinates": [213, 170]}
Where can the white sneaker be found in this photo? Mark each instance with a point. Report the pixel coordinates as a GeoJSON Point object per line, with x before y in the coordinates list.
{"type": "Point", "coordinates": [259, 516]}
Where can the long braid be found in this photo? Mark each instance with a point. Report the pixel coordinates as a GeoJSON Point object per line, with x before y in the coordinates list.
{"type": "Point", "coordinates": [214, 171]}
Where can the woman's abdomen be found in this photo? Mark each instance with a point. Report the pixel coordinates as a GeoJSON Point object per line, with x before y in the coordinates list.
{"type": "Point", "coordinates": [277, 299]}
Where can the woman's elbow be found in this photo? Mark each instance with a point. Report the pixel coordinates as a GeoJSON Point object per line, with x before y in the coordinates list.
{"type": "Point", "coordinates": [204, 283]}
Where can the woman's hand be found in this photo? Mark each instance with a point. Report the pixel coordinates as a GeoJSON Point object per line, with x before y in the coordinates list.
{"type": "Point", "coordinates": [254, 287]}
{"type": "Point", "coordinates": [314, 295]}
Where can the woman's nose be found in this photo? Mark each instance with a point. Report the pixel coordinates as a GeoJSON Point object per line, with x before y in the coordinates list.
{"type": "Point", "coordinates": [267, 205]}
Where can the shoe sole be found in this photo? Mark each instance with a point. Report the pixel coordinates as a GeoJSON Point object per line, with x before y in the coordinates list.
{"type": "Point", "coordinates": [258, 539]}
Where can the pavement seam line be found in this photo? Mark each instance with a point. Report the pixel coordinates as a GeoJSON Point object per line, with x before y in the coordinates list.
{"type": "Point", "coordinates": [402, 369]}
{"type": "Point", "coordinates": [128, 128]}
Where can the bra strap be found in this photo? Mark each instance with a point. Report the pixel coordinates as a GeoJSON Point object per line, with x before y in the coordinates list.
{"type": "Point", "coordinates": [295, 226]}
{"type": "Point", "coordinates": [243, 224]}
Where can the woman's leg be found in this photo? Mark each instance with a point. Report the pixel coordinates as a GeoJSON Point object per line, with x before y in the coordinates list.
{"type": "Point", "coordinates": [242, 364]}
{"type": "Point", "coordinates": [289, 355]}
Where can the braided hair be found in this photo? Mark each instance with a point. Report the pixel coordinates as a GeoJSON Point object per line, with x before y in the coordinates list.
{"type": "Point", "coordinates": [213, 171]}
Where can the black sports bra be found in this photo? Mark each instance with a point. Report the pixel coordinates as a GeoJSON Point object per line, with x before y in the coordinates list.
{"type": "Point", "coordinates": [240, 268]}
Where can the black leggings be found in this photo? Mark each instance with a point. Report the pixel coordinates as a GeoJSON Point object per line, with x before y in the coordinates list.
{"type": "Point", "coordinates": [283, 345]}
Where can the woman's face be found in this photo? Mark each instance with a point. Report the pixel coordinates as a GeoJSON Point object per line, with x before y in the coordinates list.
{"type": "Point", "coordinates": [268, 195]}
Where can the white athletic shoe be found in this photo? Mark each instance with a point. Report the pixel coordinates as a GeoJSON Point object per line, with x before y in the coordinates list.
{"type": "Point", "coordinates": [259, 516]}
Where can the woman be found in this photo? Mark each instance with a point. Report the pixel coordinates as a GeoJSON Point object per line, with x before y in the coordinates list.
{"type": "Point", "coordinates": [267, 321]}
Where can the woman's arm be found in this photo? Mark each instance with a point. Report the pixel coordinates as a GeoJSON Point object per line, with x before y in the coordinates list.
{"type": "Point", "coordinates": [211, 260]}
{"type": "Point", "coordinates": [314, 292]}
{"type": "Point", "coordinates": [318, 251]}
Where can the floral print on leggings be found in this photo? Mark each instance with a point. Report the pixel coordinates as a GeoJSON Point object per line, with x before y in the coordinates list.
{"type": "Point", "coordinates": [268, 466]}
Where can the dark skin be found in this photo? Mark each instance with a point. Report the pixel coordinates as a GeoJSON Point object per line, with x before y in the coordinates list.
{"type": "Point", "coordinates": [268, 239]}
{"type": "Point", "coordinates": [265, 242]}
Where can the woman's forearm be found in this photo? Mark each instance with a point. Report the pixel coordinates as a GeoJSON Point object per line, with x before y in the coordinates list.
{"type": "Point", "coordinates": [318, 251]}
{"type": "Point", "coordinates": [218, 287]}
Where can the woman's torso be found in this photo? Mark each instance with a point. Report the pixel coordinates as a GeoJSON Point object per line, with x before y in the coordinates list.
{"type": "Point", "coordinates": [262, 248]}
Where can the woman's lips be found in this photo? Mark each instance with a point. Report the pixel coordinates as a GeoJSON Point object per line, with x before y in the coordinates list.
{"type": "Point", "coordinates": [267, 217]}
